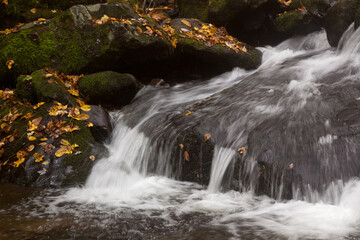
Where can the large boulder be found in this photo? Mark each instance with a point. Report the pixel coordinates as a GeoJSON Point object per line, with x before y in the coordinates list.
{"type": "Point", "coordinates": [102, 37]}
{"type": "Point", "coordinates": [50, 143]}
{"type": "Point", "coordinates": [109, 88]}
{"type": "Point", "coordinates": [338, 19]}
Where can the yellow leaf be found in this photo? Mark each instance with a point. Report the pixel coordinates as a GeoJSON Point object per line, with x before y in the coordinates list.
{"type": "Point", "coordinates": [27, 116]}
{"type": "Point", "coordinates": [38, 157]}
{"type": "Point", "coordinates": [64, 142]}
{"type": "Point", "coordinates": [92, 158]}
{"type": "Point", "coordinates": [74, 145]}
{"type": "Point", "coordinates": [80, 102]}
{"type": "Point", "coordinates": [63, 150]}
{"type": "Point", "coordinates": [241, 150]}
{"type": "Point", "coordinates": [181, 146]}
{"type": "Point", "coordinates": [18, 162]}
{"type": "Point", "coordinates": [41, 20]}
{"type": "Point", "coordinates": [90, 124]}
{"type": "Point", "coordinates": [38, 105]}
{"type": "Point", "coordinates": [104, 19]}
{"type": "Point", "coordinates": [188, 113]}
{"type": "Point", "coordinates": [30, 148]}
{"type": "Point", "coordinates": [45, 163]}
{"type": "Point", "coordinates": [86, 108]}
{"type": "Point", "coordinates": [174, 42]}
{"type": "Point", "coordinates": [5, 2]}
{"type": "Point", "coordinates": [48, 75]}
{"type": "Point", "coordinates": [43, 139]}
{"type": "Point", "coordinates": [186, 23]}
{"type": "Point", "coordinates": [74, 92]}
{"type": "Point", "coordinates": [33, 10]}
{"type": "Point", "coordinates": [81, 117]}
{"type": "Point", "coordinates": [32, 138]}
{"type": "Point", "coordinates": [9, 64]}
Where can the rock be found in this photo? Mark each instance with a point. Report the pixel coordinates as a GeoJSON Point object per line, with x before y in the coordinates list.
{"type": "Point", "coordinates": [67, 170]}
{"type": "Point", "coordinates": [194, 157]}
{"type": "Point", "coordinates": [198, 60]}
{"type": "Point", "coordinates": [338, 19]}
{"type": "Point", "coordinates": [73, 43]}
{"type": "Point", "coordinates": [19, 11]}
{"type": "Point", "coordinates": [102, 129]}
{"type": "Point", "coordinates": [295, 22]}
{"type": "Point", "coordinates": [109, 88]}
{"type": "Point", "coordinates": [37, 88]}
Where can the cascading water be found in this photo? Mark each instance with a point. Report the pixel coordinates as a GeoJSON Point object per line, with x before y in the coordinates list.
{"type": "Point", "coordinates": [278, 112]}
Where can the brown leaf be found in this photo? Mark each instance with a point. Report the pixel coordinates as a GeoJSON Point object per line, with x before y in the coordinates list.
{"type": "Point", "coordinates": [48, 148]}
{"type": "Point", "coordinates": [186, 156]}
{"type": "Point", "coordinates": [207, 137]}
{"type": "Point", "coordinates": [92, 158]}
{"type": "Point", "coordinates": [181, 146]}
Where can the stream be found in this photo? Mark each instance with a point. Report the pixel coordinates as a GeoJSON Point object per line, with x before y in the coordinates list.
{"type": "Point", "coordinates": [135, 193]}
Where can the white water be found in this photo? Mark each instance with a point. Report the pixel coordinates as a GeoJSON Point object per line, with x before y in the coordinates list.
{"type": "Point", "coordinates": [122, 181]}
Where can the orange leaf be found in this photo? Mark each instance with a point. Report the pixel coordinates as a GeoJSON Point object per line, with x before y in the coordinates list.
{"type": "Point", "coordinates": [9, 64]}
{"type": "Point", "coordinates": [186, 156]}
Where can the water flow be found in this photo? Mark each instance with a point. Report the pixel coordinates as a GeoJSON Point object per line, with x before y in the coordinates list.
{"type": "Point", "coordinates": [140, 174]}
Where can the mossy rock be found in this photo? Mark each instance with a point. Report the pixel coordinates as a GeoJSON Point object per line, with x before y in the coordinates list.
{"type": "Point", "coordinates": [295, 22]}
{"type": "Point", "coordinates": [196, 58]}
{"type": "Point", "coordinates": [18, 11]}
{"type": "Point", "coordinates": [71, 44]}
{"type": "Point", "coordinates": [109, 88]}
{"type": "Point", "coordinates": [37, 87]}
{"type": "Point", "coordinates": [66, 170]}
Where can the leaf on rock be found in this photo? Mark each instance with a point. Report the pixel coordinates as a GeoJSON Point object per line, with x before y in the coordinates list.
{"type": "Point", "coordinates": [30, 148]}
{"type": "Point", "coordinates": [86, 108]}
{"type": "Point", "coordinates": [45, 163]}
{"type": "Point", "coordinates": [207, 137]}
{"type": "Point", "coordinates": [32, 138]}
{"type": "Point", "coordinates": [38, 105]}
{"type": "Point", "coordinates": [92, 158]}
{"type": "Point", "coordinates": [90, 124]}
{"type": "Point", "coordinates": [38, 157]}
{"type": "Point", "coordinates": [42, 171]}
{"type": "Point", "coordinates": [187, 23]}
{"type": "Point", "coordinates": [33, 10]}
{"type": "Point", "coordinates": [82, 117]}
{"type": "Point", "coordinates": [186, 156]}
{"type": "Point", "coordinates": [74, 92]}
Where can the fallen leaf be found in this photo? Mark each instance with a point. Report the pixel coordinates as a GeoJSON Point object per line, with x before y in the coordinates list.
{"type": "Point", "coordinates": [81, 117]}
{"type": "Point", "coordinates": [5, 2]}
{"type": "Point", "coordinates": [45, 163]}
{"type": "Point", "coordinates": [10, 64]}
{"type": "Point", "coordinates": [86, 108]}
{"type": "Point", "coordinates": [207, 137]}
{"type": "Point", "coordinates": [2, 152]}
{"type": "Point", "coordinates": [92, 158]}
{"type": "Point", "coordinates": [30, 148]}
{"type": "Point", "coordinates": [27, 116]}
{"type": "Point", "coordinates": [291, 166]}
{"type": "Point", "coordinates": [186, 156]}
{"type": "Point", "coordinates": [33, 10]}
{"type": "Point", "coordinates": [38, 157]}
{"type": "Point", "coordinates": [43, 139]}
{"type": "Point", "coordinates": [32, 138]}
{"type": "Point", "coordinates": [74, 92]}
{"type": "Point", "coordinates": [41, 20]}
{"type": "Point", "coordinates": [48, 148]}
{"type": "Point", "coordinates": [38, 105]}
{"type": "Point", "coordinates": [90, 124]}
{"type": "Point", "coordinates": [181, 146]}
{"type": "Point", "coordinates": [186, 23]}
{"type": "Point", "coordinates": [241, 150]}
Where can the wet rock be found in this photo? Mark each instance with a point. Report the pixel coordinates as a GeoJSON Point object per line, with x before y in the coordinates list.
{"type": "Point", "coordinates": [102, 129]}
{"type": "Point", "coordinates": [109, 88]}
{"type": "Point", "coordinates": [338, 19]}
{"type": "Point", "coordinates": [194, 156]}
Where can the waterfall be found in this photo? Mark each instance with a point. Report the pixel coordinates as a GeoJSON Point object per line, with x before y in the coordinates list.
{"type": "Point", "coordinates": [278, 113]}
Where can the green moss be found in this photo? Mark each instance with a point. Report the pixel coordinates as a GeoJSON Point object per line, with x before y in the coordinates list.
{"type": "Point", "coordinates": [195, 9]}
{"type": "Point", "coordinates": [218, 4]}
{"type": "Point", "coordinates": [290, 21]}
